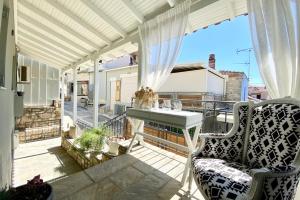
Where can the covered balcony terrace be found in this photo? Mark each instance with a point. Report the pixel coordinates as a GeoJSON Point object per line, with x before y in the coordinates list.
{"type": "Point", "coordinates": [146, 153]}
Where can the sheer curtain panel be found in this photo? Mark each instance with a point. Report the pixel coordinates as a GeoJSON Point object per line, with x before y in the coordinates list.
{"type": "Point", "coordinates": [161, 40]}
{"type": "Point", "coordinates": [275, 30]}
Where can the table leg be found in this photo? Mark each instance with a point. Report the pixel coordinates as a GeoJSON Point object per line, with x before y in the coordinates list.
{"type": "Point", "coordinates": [191, 145]}
{"type": "Point", "coordinates": [191, 148]}
{"type": "Point", "coordinates": [131, 143]}
{"type": "Point", "coordinates": [190, 180]}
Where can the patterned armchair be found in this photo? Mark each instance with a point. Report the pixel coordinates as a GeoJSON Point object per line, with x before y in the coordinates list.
{"type": "Point", "coordinates": [258, 159]}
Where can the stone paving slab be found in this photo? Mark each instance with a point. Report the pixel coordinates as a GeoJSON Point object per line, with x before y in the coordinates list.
{"type": "Point", "coordinates": [154, 175]}
{"type": "Point", "coordinates": [67, 186]}
{"type": "Point", "coordinates": [44, 157]}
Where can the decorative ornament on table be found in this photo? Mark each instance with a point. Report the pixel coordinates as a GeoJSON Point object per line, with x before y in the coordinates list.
{"type": "Point", "coordinates": [145, 98]}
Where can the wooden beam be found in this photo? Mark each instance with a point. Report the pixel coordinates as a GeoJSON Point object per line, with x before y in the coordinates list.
{"type": "Point", "coordinates": [44, 48]}
{"type": "Point", "coordinates": [43, 59]}
{"type": "Point", "coordinates": [171, 3]}
{"type": "Point", "coordinates": [57, 23]}
{"type": "Point", "coordinates": [15, 4]}
{"type": "Point", "coordinates": [134, 36]}
{"type": "Point", "coordinates": [133, 10]}
{"type": "Point", "coordinates": [47, 40]}
{"type": "Point", "coordinates": [46, 45]}
{"type": "Point", "coordinates": [38, 52]}
{"type": "Point", "coordinates": [56, 34]}
{"type": "Point", "coordinates": [100, 13]}
{"type": "Point", "coordinates": [114, 45]}
{"type": "Point", "coordinates": [230, 8]}
{"type": "Point", "coordinates": [78, 20]}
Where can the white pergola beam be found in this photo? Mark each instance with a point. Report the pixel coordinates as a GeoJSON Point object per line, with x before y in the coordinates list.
{"type": "Point", "coordinates": [57, 23]}
{"type": "Point", "coordinates": [38, 52]}
{"type": "Point", "coordinates": [105, 18]}
{"type": "Point", "coordinates": [171, 3]}
{"type": "Point", "coordinates": [49, 41]}
{"type": "Point", "coordinates": [40, 58]}
{"type": "Point", "coordinates": [78, 20]}
{"type": "Point", "coordinates": [42, 48]}
{"type": "Point", "coordinates": [132, 9]}
{"type": "Point", "coordinates": [15, 19]}
{"type": "Point", "coordinates": [134, 36]}
{"type": "Point", "coordinates": [114, 45]}
{"type": "Point", "coordinates": [53, 32]}
{"type": "Point", "coordinates": [230, 9]}
{"type": "Point", "coordinates": [111, 56]}
{"type": "Point", "coordinates": [123, 51]}
{"type": "Point", "coordinates": [45, 45]}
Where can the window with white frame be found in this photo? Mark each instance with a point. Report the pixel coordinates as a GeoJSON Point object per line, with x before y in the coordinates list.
{"type": "Point", "coordinates": [43, 85]}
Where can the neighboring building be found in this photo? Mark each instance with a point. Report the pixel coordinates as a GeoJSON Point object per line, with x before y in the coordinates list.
{"type": "Point", "coordinates": [186, 81]}
{"type": "Point", "coordinates": [194, 79]}
{"type": "Point", "coordinates": [258, 92]}
{"type": "Point", "coordinates": [236, 86]}
{"type": "Point", "coordinates": [118, 85]}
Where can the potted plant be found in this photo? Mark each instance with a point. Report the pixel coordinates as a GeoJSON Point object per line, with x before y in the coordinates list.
{"type": "Point", "coordinates": [34, 189]}
{"type": "Point", "coordinates": [93, 140]}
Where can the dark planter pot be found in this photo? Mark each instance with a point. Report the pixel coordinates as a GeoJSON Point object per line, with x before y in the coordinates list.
{"type": "Point", "coordinates": [20, 94]}
{"type": "Point", "coordinates": [43, 192]}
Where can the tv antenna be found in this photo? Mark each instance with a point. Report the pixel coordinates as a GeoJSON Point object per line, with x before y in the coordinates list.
{"type": "Point", "coordinates": [247, 63]}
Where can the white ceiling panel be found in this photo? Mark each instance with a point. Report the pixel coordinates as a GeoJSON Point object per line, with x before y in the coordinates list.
{"type": "Point", "coordinates": [71, 32]}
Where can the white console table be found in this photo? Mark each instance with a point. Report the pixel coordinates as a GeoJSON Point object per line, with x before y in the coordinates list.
{"type": "Point", "coordinates": [179, 119]}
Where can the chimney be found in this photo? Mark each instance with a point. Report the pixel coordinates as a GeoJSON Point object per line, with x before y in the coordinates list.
{"type": "Point", "coordinates": [212, 61]}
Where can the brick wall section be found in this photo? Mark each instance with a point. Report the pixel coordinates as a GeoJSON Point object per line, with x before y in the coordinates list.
{"type": "Point", "coordinates": [233, 85]}
{"type": "Point", "coordinates": [43, 122]}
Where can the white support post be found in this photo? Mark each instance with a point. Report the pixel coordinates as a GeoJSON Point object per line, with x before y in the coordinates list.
{"type": "Point", "coordinates": [96, 92]}
{"type": "Point", "coordinates": [62, 98]}
{"type": "Point", "coordinates": [139, 123]}
{"type": "Point", "coordinates": [74, 94]}
{"type": "Point", "coordinates": [139, 64]}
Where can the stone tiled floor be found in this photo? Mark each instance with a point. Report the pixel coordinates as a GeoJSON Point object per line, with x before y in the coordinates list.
{"type": "Point", "coordinates": [146, 173]}
{"type": "Point", "coordinates": [84, 114]}
{"type": "Point", "coordinates": [44, 157]}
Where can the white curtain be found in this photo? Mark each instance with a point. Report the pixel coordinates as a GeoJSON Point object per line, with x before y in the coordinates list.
{"type": "Point", "coordinates": [275, 30]}
{"type": "Point", "coordinates": [161, 40]}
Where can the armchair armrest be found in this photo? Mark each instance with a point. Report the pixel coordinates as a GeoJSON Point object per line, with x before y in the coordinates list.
{"type": "Point", "coordinates": [271, 182]}
{"type": "Point", "coordinates": [270, 172]}
{"type": "Point", "coordinates": [214, 135]}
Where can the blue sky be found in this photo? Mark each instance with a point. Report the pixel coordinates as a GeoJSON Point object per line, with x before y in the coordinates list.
{"type": "Point", "coordinates": [223, 40]}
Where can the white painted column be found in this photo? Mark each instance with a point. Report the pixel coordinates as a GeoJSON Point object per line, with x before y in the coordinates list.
{"type": "Point", "coordinates": [139, 124]}
{"type": "Point", "coordinates": [139, 64]}
{"type": "Point", "coordinates": [74, 94]}
{"type": "Point", "coordinates": [62, 98]}
{"type": "Point", "coordinates": [96, 92]}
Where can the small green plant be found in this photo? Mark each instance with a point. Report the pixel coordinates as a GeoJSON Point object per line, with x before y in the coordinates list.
{"type": "Point", "coordinates": [93, 139]}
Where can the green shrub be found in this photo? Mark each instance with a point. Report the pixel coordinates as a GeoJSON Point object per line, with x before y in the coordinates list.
{"type": "Point", "coordinates": [93, 139]}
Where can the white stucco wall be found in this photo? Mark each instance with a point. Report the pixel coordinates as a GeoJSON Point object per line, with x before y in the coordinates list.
{"type": "Point", "coordinates": [190, 81]}
{"type": "Point", "coordinates": [6, 107]}
{"type": "Point", "coordinates": [106, 77]}
{"type": "Point", "coordinates": [215, 83]}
